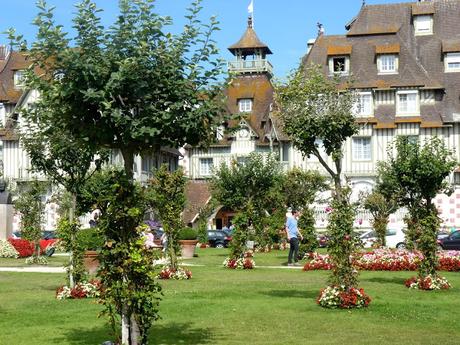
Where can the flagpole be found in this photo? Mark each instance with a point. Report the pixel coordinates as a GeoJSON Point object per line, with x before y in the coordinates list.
{"type": "Point", "coordinates": [251, 12]}
{"type": "Point", "coordinates": [252, 2]}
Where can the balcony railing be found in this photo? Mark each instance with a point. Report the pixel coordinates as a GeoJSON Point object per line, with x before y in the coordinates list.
{"type": "Point", "coordinates": [250, 66]}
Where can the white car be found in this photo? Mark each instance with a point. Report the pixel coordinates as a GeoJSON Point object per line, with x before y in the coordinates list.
{"type": "Point", "coordinates": [395, 238]}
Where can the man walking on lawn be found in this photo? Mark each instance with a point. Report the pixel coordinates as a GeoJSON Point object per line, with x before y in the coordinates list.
{"type": "Point", "coordinates": [292, 232]}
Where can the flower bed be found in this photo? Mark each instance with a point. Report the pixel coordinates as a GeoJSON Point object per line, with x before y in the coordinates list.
{"type": "Point", "coordinates": [388, 260]}
{"type": "Point", "coordinates": [317, 262]}
{"type": "Point", "coordinates": [26, 248]}
{"type": "Point", "coordinates": [340, 297]}
{"type": "Point", "coordinates": [241, 263]}
{"type": "Point", "coordinates": [89, 289]}
{"type": "Point", "coordinates": [179, 274]}
{"type": "Point", "coordinates": [7, 250]}
{"type": "Point", "coordinates": [430, 282]}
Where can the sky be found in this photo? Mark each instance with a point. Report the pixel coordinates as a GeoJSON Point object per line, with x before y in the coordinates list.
{"type": "Point", "coordinates": [284, 25]}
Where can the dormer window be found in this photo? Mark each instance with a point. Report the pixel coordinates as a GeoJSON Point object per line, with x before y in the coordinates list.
{"type": "Point", "coordinates": [423, 25]}
{"type": "Point", "coordinates": [245, 105]}
{"type": "Point", "coordinates": [452, 62]}
{"type": "Point", "coordinates": [339, 59]}
{"type": "Point", "coordinates": [18, 78]}
{"type": "Point", "coordinates": [387, 63]}
{"type": "Point", "coordinates": [339, 65]}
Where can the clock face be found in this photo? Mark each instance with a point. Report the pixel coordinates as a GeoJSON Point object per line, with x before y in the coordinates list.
{"type": "Point", "coordinates": [244, 133]}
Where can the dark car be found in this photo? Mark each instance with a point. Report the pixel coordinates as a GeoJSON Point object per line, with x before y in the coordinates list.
{"type": "Point", "coordinates": [218, 238]}
{"type": "Point", "coordinates": [452, 242]}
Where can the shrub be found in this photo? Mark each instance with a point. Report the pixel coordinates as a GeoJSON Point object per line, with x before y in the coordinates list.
{"type": "Point", "coordinates": [89, 239]}
{"type": "Point", "coordinates": [7, 250]}
{"type": "Point", "coordinates": [188, 234]}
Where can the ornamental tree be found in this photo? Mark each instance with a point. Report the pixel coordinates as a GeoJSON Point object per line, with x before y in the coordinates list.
{"type": "Point", "coordinates": [32, 208]}
{"type": "Point", "coordinates": [132, 86]}
{"type": "Point", "coordinates": [316, 109]}
{"type": "Point", "coordinates": [167, 197]}
{"type": "Point", "coordinates": [251, 189]}
{"type": "Point", "coordinates": [415, 175]}
{"type": "Point", "coordinates": [381, 207]}
{"type": "Point", "coordinates": [66, 161]}
{"type": "Point", "coordinates": [300, 189]}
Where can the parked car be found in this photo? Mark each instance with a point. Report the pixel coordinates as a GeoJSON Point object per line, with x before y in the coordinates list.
{"type": "Point", "coordinates": [452, 242]}
{"type": "Point", "coordinates": [395, 238]}
{"type": "Point", "coordinates": [48, 239]}
{"type": "Point", "coordinates": [442, 234]}
{"type": "Point", "coordinates": [218, 239]}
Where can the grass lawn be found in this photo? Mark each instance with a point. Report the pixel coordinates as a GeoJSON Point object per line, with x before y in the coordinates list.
{"type": "Point", "coordinates": [219, 306]}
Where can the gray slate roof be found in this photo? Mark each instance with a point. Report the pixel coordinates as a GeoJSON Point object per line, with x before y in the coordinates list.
{"type": "Point", "coordinates": [421, 58]}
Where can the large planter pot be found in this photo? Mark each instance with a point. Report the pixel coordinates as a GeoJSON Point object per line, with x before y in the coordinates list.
{"type": "Point", "coordinates": [188, 248]}
{"type": "Point", "coordinates": [90, 261]}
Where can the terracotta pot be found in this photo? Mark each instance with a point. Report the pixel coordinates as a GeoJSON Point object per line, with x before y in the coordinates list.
{"type": "Point", "coordinates": [90, 261]}
{"type": "Point", "coordinates": [188, 248]}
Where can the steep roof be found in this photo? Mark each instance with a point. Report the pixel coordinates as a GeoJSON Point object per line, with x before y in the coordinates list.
{"type": "Point", "coordinates": [197, 194]}
{"type": "Point", "coordinates": [384, 29]}
{"type": "Point", "coordinates": [259, 88]}
{"type": "Point", "coordinates": [249, 41]}
{"type": "Point", "coordinates": [14, 61]}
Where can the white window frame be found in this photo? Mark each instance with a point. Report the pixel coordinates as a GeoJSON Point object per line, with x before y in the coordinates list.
{"type": "Point", "coordinates": [346, 70]}
{"type": "Point", "coordinates": [357, 149]}
{"type": "Point", "coordinates": [18, 78]}
{"type": "Point", "coordinates": [245, 105]}
{"type": "Point", "coordinates": [422, 30]}
{"type": "Point", "coordinates": [206, 166]}
{"type": "Point", "coordinates": [408, 112]}
{"type": "Point", "coordinates": [361, 111]}
{"type": "Point", "coordinates": [450, 58]}
{"type": "Point", "coordinates": [381, 65]}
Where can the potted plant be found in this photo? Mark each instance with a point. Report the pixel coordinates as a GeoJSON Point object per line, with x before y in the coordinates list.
{"type": "Point", "coordinates": [90, 240]}
{"type": "Point", "coordinates": [188, 240]}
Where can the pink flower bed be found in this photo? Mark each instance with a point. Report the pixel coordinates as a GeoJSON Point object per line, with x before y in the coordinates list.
{"type": "Point", "coordinates": [388, 260]}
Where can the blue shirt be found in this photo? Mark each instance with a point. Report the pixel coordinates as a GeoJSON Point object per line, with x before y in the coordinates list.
{"type": "Point", "coordinates": [291, 225]}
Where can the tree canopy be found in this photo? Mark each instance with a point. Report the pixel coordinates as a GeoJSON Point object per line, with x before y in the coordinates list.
{"type": "Point", "coordinates": [415, 175]}
{"type": "Point", "coordinates": [131, 86]}
{"type": "Point", "coordinates": [314, 109]}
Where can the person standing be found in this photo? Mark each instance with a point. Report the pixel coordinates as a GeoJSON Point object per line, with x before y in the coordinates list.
{"type": "Point", "coordinates": [293, 234]}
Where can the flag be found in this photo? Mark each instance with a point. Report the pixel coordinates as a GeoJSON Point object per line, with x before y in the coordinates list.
{"type": "Point", "coordinates": [251, 7]}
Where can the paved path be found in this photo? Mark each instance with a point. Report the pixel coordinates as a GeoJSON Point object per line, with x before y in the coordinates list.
{"type": "Point", "coordinates": [45, 269]}
{"type": "Point", "coordinates": [33, 269]}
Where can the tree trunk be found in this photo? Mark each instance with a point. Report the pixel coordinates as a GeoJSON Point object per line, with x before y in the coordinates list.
{"type": "Point", "coordinates": [125, 327]}
{"type": "Point", "coordinates": [128, 158]}
{"type": "Point", "coordinates": [135, 332]}
{"type": "Point", "coordinates": [72, 239]}
{"type": "Point", "coordinates": [129, 327]}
